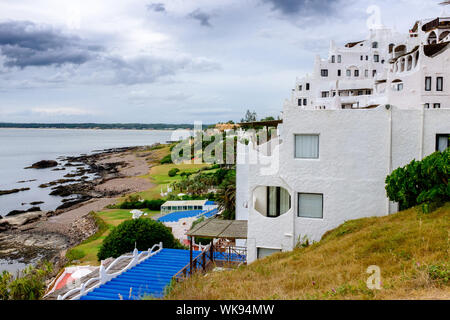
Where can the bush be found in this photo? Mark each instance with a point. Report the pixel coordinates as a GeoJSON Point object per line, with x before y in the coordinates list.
{"type": "Point", "coordinates": [28, 285]}
{"type": "Point", "coordinates": [144, 233]}
{"type": "Point", "coordinates": [421, 182]}
{"type": "Point", "coordinates": [154, 205]}
{"type": "Point", "coordinates": [173, 172]}
{"type": "Point", "coordinates": [167, 159]}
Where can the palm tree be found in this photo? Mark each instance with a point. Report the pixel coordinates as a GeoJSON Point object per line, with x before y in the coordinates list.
{"type": "Point", "coordinates": [226, 199]}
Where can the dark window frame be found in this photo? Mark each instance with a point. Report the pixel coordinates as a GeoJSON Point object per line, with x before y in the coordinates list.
{"type": "Point", "coordinates": [440, 135]}
{"type": "Point", "coordinates": [324, 73]}
{"type": "Point", "coordinates": [428, 83]}
{"type": "Point", "coordinates": [440, 84]}
{"type": "Point", "coordinates": [298, 205]}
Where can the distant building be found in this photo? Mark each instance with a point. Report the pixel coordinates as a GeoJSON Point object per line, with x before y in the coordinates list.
{"type": "Point", "coordinates": [188, 205]}
{"type": "Point", "coordinates": [226, 126]}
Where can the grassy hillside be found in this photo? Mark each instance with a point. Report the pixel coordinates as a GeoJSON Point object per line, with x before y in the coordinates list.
{"type": "Point", "coordinates": [411, 248]}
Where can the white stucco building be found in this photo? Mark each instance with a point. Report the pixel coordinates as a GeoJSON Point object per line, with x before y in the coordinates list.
{"type": "Point", "coordinates": [369, 108]}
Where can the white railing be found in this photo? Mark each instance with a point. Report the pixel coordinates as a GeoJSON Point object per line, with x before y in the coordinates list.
{"type": "Point", "coordinates": [104, 276]}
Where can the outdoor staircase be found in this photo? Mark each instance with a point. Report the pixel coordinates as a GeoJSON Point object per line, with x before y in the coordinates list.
{"type": "Point", "coordinates": [149, 278]}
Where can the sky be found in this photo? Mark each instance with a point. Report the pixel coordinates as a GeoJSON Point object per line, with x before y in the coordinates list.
{"type": "Point", "coordinates": [174, 61]}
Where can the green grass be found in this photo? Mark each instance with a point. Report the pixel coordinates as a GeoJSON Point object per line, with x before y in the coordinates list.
{"type": "Point", "coordinates": [86, 252]}
{"type": "Point", "coordinates": [159, 176]}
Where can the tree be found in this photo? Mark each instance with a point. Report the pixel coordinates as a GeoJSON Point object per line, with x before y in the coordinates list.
{"type": "Point", "coordinates": [249, 116]}
{"type": "Point", "coordinates": [28, 285]}
{"type": "Point", "coordinates": [140, 233]}
{"type": "Point", "coordinates": [226, 196]}
{"type": "Point", "coordinates": [421, 182]}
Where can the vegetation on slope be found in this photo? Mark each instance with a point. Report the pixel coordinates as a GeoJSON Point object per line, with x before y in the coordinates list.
{"type": "Point", "coordinates": [410, 247]}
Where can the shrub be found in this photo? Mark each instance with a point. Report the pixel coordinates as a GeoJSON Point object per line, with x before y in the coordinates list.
{"type": "Point", "coordinates": [142, 233]}
{"type": "Point", "coordinates": [28, 285]}
{"type": "Point", "coordinates": [154, 205]}
{"type": "Point", "coordinates": [421, 182]}
{"type": "Point", "coordinates": [166, 160]}
{"type": "Point", "coordinates": [173, 172]}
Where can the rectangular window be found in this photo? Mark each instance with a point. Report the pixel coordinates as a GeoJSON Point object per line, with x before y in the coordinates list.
{"type": "Point", "coordinates": [376, 58]}
{"type": "Point", "coordinates": [439, 83]}
{"type": "Point", "coordinates": [339, 59]}
{"type": "Point", "coordinates": [307, 86]}
{"type": "Point", "coordinates": [300, 88]}
{"type": "Point", "coordinates": [305, 102]}
{"type": "Point", "coordinates": [307, 146]}
{"type": "Point", "coordinates": [427, 106]}
{"type": "Point", "coordinates": [339, 72]}
{"type": "Point", "coordinates": [368, 92]}
{"type": "Point", "coordinates": [374, 73]}
{"type": "Point", "coordinates": [349, 73]}
{"type": "Point", "coordinates": [299, 102]}
{"type": "Point", "coordinates": [265, 252]}
{"type": "Point", "coordinates": [427, 83]}
{"type": "Point", "coordinates": [333, 59]}
{"type": "Point", "coordinates": [325, 94]}
{"type": "Point", "coordinates": [437, 106]}
{"type": "Point", "coordinates": [362, 58]}
{"type": "Point", "coordinates": [442, 142]}
{"type": "Point", "coordinates": [356, 73]}
{"type": "Point", "coordinates": [324, 72]}
{"type": "Point", "coordinates": [367, 58]}
{"type": "Point", "coordinates": [310, 205]}
{"type": "Point", "coordinates": [366, 73]}
{"type": "Point", "coordinates": [360, 93]}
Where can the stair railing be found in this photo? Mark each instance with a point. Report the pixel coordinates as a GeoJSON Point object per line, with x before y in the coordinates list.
{"type": "Point", "coordinates": [104, 276]}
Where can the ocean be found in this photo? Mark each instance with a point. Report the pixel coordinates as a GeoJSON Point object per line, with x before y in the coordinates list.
{"type": "Point", "coordinates": [20, 148]}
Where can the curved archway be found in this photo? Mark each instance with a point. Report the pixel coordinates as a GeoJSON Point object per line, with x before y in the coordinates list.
{"type": "Point", "coordinates": [409, 63]}
{"type": "Point", "coordinates": [400, 50]}
{"type": "Point", "coordinates": [391, 47]}
{"type": "Point", "coordinates": [432, 38]}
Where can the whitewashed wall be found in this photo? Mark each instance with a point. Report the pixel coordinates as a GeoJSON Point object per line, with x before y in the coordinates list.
{"type": "Point", "coordinates": [355, 158]}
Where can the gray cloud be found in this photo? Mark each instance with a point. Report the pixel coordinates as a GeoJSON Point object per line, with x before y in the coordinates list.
{"type": "Point", "coordinates": [307, 7]}
{"type": "Point", "coordinates": [24, 44]}
{"type": "Point", "coordinates": [157, 7]}
{"type": "Point", "coordinates": [201, 16]}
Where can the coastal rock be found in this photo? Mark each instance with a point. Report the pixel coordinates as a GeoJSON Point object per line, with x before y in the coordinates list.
{"type": "Point", "coordinates": [43, 164]}
{"type": "Point", "coordinates": [3, 192]}
{"type": "Point", "coordinates": [34, 203]}
{"type": "Point", "coordinates": [69, 204]}
{"type": "Point", "coordinates": [4, 225]}
{"type": "Point", "coordinates": [20, 220]}
{"type": "Point", "coordinates": [17, 212]}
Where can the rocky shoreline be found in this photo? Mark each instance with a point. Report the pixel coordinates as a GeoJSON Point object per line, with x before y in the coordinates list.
{"type": "Point", "coordinates": [27, 236]}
